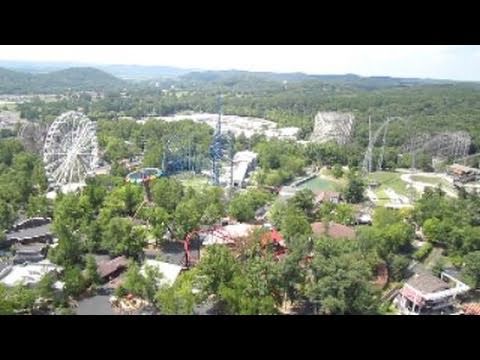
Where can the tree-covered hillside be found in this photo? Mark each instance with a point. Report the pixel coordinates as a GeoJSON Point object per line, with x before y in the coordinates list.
{"type": "Point", "coordinates": [76, 79]}
{"type": "Point", "coordinates": [426, 106]}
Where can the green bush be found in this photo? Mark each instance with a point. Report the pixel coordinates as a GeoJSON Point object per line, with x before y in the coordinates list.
{"type": "Point", "coordinates": [438, 267]}
{"type": "Point", "coordinates": [121, 292]}
{"type": "Point", "coordinates": [337, 171]}
{"type": "Point", "coordinates": [456, 260]}
{"type": "Point", "coordinates": [423, 252]}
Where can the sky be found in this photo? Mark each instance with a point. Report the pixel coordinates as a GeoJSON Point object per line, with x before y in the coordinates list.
{"type": "Point", "coordinates": [455, 62]}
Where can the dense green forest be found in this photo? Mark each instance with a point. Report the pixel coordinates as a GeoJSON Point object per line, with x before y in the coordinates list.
{"type": "Point", "coordinates": [424, 108]}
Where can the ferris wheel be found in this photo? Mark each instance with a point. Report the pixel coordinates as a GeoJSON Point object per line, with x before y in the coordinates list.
{"type": "Point", "coordinates": [71, 150]}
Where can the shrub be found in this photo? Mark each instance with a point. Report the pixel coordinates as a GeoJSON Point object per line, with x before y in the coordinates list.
{"type": "Point", "coordinates": [423, 252]}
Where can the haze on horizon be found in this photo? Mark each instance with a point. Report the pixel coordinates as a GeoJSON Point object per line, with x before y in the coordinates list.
{"type": "Point", "coordinates": [453, 62]}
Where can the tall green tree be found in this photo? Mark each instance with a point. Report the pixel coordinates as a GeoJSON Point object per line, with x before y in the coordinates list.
{"type": "Point", "coordinates": [217, 267]}
{"type": "Point", "coordinates": [159, 219]}
{"type": "Point", "coordinates": [134, 281]}
{"type": "Point", "coordinates": [69, 249]}
{"type": "Point", "coordinates": [178, 299]}
{"type": "Point", "coordinates": [187, 217]}
{"type": "Point", "coordinates": [337, 171]}
{"type": "Point", "coordinates": [303, 200]}
{"type": "Point", "coordinates": [121, 237]}
{"type": "Point", "coordinates": [75, 283]}
{"type": "Point", "coordinates": [354, 191]}
{"type": "Point", "coordinates": [472, 268]}
{"type": "Point", "coordinates": [295, 223]}
{"type": "Point", "coordinates": [7, 215]}
{"type": "Point", "coordinates": [92, 277]}
{"type": "Point", "coordinates": [340, 279]}
{"type": "Point", "coordinates": [38, 206]}
{"type": "Point", "coordinates": [167, 193]}
{"type": "Point", "coordinates": [244, 205]}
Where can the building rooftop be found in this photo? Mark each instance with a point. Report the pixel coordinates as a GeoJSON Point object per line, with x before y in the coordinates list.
{"type": "Point", "coordinates": [107, 268]}
{"type": "Point", "coordinates": [27, 274]}
{"type": "Point", "coordinates": [335, 230]}
{"type": "Point", "coordinates": [471, 308]}
{"type": "Point", "coordinates": [454, 273]}
{"type": "Point", "coordinates": [34, 232]}
{"type": "Point", "coordinates": [169, 272]}
{"type": "Point", "coordinates": [322, 196]}
{"type": "Point", "coordinates": [114, 283]}
{"type": "Point", "coordinates": [457, 168]}
{"type": "Point", "coordinates": [245, 156]}
{"type": "Point", "coordinates": [227, 234]}
{"type": "Point", "coordinates": [31, 248]}
{"type": "Point", "coordinates": [273, 236]}
{"type": "Point", "coordinates": [427, 283]}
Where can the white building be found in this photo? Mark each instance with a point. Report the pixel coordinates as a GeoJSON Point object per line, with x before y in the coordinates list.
{"type": "Point", "coordinates": [243, 163]}
{"type": "Point", "coordinates": [424, 293]}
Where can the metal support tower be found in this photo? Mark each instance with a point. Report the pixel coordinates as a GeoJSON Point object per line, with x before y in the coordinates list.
{"type": "Point", "coordinates": [231, 155]}
{"type": "Point", "coordinates": [216, 148]}
{"type": "Point", "coordinates": [367, 160]}
{"type": "Point", "coordinates": [369, 142]}
{"type": "Point", "coordinates": [382, 151]}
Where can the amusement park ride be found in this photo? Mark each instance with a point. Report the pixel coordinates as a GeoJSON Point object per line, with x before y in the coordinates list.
{"type": "Point", "coordinates": [449, 144]}
{"type": "Point", "coordinates": [70, 152]}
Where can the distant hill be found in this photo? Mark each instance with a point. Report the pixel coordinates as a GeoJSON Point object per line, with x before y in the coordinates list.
{"type": "Point", "coordinates": [228, 78]}
{"type": "Point", "coordinates": [54, 78]}
{"type": "Point", "coordinates": [77, 79]}
{"type": "Point", "coordinates": [36, 67]}
{"type": "Point", "coordinates": [139, 72]}
{"type": "Point", "coordinates": [126, 72]}
{"type": "Point", "coordinates": [352, 80]}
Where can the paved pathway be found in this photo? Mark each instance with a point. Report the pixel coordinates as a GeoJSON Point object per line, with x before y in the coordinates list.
{"type": "Point", "coordinates": [420, 186]}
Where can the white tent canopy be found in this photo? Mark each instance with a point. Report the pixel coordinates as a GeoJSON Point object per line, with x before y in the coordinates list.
{"type": "Point", "coordinates": [169, 272]}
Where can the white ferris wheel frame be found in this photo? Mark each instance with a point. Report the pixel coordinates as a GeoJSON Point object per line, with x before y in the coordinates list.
{"type": "Point", "coordinates": [70, 152]}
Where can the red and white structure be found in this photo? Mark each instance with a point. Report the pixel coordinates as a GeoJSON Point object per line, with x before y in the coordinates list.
{"type": "Point", "coordinates": [427, 294]}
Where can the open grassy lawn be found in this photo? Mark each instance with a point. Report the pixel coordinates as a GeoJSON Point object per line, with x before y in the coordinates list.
{"type": "Point", "coordinates": [433, 180]}
{"type": "Point", "coordinates": [390, 180]}
{"type": "Point", "coordinates": [321, 184]}
{"type": "Point", "coordinates": [325, 171]}
{"type": "Point", "coordinates": [383, 198]}
{"type": "Point", "coordinates": [194, 181]}
{"type": "Point", "coordinates": [340, 183]}
{"type": "Point", "coordinates": [387, 180]}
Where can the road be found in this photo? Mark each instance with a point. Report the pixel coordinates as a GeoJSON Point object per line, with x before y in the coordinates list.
{"type": "Point", "coordinates": [96, 305]}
